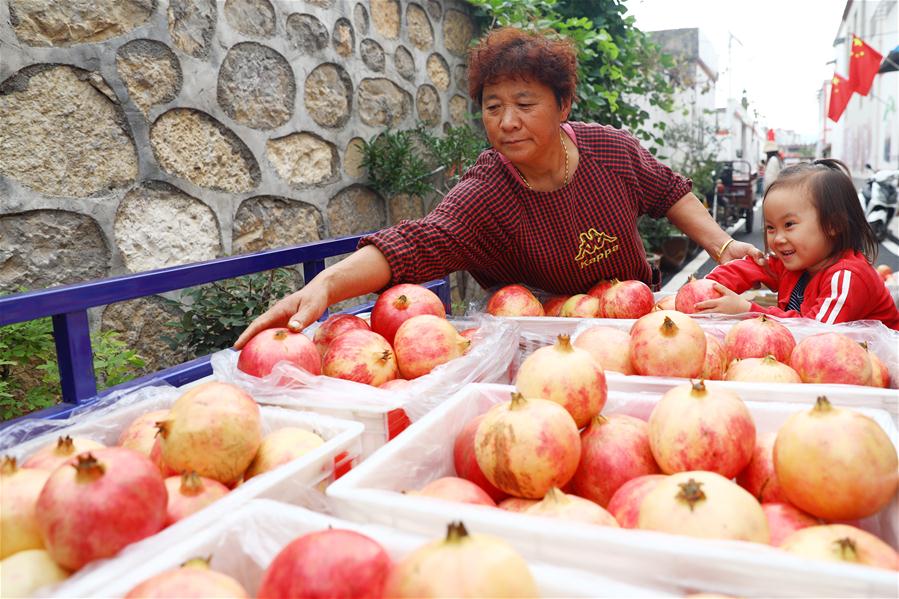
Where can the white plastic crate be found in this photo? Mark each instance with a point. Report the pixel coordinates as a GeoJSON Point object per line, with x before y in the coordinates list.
{"type": "Point", "coordinates": [678, 564]}
{"type": "Point", "coordinates": [385, 413]}
{"type": "Point", "coordinates": [244, 544]}
{"type": "Point", "coordinates": [294, 482]}
{"type": "Point", "coordinates": [539, 332]}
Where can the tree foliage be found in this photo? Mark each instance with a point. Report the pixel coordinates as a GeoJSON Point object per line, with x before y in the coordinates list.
{"type": "Point", "coordinates": [618, 63]}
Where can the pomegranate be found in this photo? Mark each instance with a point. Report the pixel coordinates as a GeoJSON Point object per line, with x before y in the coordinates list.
{"type": "Point", "coordinates": [666, 303]}
{"type": "Point", "coordinates": [326, 564]}
{"type": "Point", "coordinates": [362, 356]}
{"type": "Point", "coordinates": [190, 493]}
{"type": "Point", "coordinates": [462, 565]}
{"type": "Point", "coordinates": [156, 457]}
{"type": "Point", "coordinates": [759, 477]}
{"type": "Point", "coordinates": [516, 504]}
{"type": "Point", "coordinates": [831, 358]}
{"type": "Point", "coordinates": [694, 291]}
{"type": "Point", "coordinates": [715, 364]}
{"type": "Point", "coordinates": [580, 306]}
{"type": "Point", "coordinates": [842, 543]}
{"type": "Point", "coordinates": [759, 337]}
{"type": "Point", "coordinates": [614, 450]}
{"type": "Point", "coordinates": [456, 489]}
{"type": "Point", "coordinates": [626, 299]}
{"type": "Point", "coordinates": [527, 446]}
{"type": "Point", "coordinates": [553, 305]}
{"type": "Point", "coordinates": [784, 519]}
{"type": "Point", "coordinates": [704, 504]}
{"type": "Point", "coordinates": [880, 375]}
{"type": "Point", "coordinates": [761, 370]}
{"type": "Point", "coordinates": [52, 456]}
{"type": "Point", "coordinates": [400, 303]}
{"type": "Point", "coordinates": [19, 490]}
{"type": "Point", "coordinates": [625, 503]}
{"type": "Point", "coordinates": [424, 342]}
{"type": "Point", "coordinates": [333, 327]}
{"type": "Point", "coordinates": [140, 435]}
{"type": "Point", "coordinates": [106, 500]}
{"type": "Point", "coordinates": [566, 375]}
{"type": "Point", "coordinates": [557, 504]}
{"type": "Point", "coordinates": [667, 343]}
{"type": "Point", "coordinates": [271, 346]}
{"type": "Point", "coordinates": [280, 447]}
{"type": "Point", "coordinates": [604, 344]}
{"type": "Point", "coordinates": [598, 291]}
{"type": "Point", "coordinates": [694, 428]}
{"type": "Point", "coordinates": [514, 300]}
{"type": "Point", "coordinates": [193, 580]}
{"type": "Point", "coordinates": [834, 463]}
{"type": "Point", "coordinates": [23, 573]}
{"type": "Point", "coordinates": [214, 429]}
{"type": "Point", "coordinates": [465, 461]}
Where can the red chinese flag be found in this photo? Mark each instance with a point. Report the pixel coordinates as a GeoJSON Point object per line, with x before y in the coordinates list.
{"type": "Point", "coordinates": [864, 62]}
{"type": "Point", "coordinates": [840, 92]}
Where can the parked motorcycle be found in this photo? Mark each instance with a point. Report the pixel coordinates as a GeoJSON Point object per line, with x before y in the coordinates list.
{"type": "Point", "coordinates": [878, 197]}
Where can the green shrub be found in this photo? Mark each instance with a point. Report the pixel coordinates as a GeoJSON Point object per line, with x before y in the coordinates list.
{"type": "Point", "coordinates": [214, 315]}
{"type": "Point", "coordinates": [29, 373]}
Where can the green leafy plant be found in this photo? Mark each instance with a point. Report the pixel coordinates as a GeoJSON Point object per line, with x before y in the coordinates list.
{"type": "Point", "coordinates": [214, 315]}
{"type": "Point", "coordinates": [654, 232]}
{"type": "Point", "coordinates": [29, 373]}
{"type": "Point", "coordinates": [395, 163]}
{"type": "Point", "coordinates": [619, 67]}
{"type": "Point", "coordinates": [694, 148]}
{"type": "Point", "coordinates": [455, 152]}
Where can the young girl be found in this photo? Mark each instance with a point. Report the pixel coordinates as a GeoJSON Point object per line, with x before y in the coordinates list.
{"type": "Point", "coordinates": [820, 253]}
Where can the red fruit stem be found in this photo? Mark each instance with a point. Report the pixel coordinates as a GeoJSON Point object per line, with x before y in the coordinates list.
{"type": "Point", "coordinates": [691, 493]}
{"type": "Point", "coordinates": [65, 445]}
{"type": "Point", "coordinates": [563, 343]}
{"type": "Point", "coordinates": [668, 328]}
{"type": "Point", "coordinates": [87, 468]}
{"type": "Point", "coordinates": [455, 532]}
{"type": "Point", "coordinates": [386, 355]}
{"type": "Point", "coordinates": [191, 483]}
{"type": "Point", "coordinates": [698, 388]}
{"type": "Point", "coordinates": [401, 303]}
{"type": "Point", "coordinates": [518, 401]}
{"type": "Point", "coordinates": [822, 406]}
{"type": "Point", "coordinates": [280, 335]}
{"type": "Point", "coordinates": [162, 428]}
{"type": "Point", "coordinates": [8, 466]}
{"type": "Point", "coordinates": [769, 359]}
{"type": "Point", "coordinates": [847, 548]}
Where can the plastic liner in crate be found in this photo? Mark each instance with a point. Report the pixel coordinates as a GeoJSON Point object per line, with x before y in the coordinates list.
{"type": "Point", "coordinates": [293, 482]}
{"type": "Point", "coordinates": [677, 564]}
{"type": "Point", "coordinates": [385, 413]}
{"type": "Point", "coordinates": [244, 544]}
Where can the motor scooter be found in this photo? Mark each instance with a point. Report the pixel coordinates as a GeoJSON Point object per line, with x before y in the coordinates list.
{"type": "Point", "coordinates": [878, 197]}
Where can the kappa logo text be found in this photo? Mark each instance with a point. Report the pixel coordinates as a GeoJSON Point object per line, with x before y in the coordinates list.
{"type": "Point", "coordinates": [595, 246]}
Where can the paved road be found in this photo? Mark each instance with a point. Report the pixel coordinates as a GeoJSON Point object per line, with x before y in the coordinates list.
{"type": "Point", "coordinates": [701, 265]}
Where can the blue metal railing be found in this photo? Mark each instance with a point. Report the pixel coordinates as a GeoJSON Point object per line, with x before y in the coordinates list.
{"type": "Point", "coordinates": [68, 305]}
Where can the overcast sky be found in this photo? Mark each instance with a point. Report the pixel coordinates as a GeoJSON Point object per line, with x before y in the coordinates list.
{"type": "Point", "coordinates": [778, 54]}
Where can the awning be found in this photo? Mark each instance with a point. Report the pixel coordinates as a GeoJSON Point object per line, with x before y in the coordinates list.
{"type": "Point", "coordinates": [890, 62]}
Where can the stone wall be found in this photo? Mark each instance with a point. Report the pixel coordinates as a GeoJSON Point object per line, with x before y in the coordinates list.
{"type": "Point", "coordinates": [140, 134]}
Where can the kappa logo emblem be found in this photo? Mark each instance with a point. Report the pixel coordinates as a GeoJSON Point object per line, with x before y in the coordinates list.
{"type": "Point", "coordinates": [595, 246]}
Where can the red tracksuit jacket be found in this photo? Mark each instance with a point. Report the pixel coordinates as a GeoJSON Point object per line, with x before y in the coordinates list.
{"type": "Point", "coordinates": [848, 290]}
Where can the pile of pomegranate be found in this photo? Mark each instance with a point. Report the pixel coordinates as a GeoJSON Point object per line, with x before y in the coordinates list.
{"type": "Point", "coordinates": [408, 337]}
{"type": "Point", "coordinates": [606, 299]}
{"type": "Point", "coordinates": [76, 501]}
{"type": "Point", "coordinates": [336, 562]}
{"type": "Point", "coordinates": [696, 467]}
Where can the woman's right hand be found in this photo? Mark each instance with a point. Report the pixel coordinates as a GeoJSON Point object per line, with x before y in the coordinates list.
{"type": "Point", "coordinates": [295, 311]}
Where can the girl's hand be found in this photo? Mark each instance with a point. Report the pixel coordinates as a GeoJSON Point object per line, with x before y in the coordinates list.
{"type": "Point", "coordinates": [738, 249]}
{"type": "Point", "coordinates": [728, 303]}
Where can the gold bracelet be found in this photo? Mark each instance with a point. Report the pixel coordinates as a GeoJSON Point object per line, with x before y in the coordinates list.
{"type": "Point", "coordinates": [724, 247]}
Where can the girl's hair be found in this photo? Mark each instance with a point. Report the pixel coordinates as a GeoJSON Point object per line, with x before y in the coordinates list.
{"type": "Point", "coordinates": [834, 196]}
{"type": "Point", "coordinates": [511, 53]}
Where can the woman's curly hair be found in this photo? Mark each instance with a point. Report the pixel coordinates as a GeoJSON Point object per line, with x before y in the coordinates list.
{"type": "Point", "coordinates": [512, 53]}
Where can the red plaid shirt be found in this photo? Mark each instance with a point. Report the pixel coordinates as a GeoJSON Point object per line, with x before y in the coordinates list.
{"type": "Point", "coordinates": [561, 241]}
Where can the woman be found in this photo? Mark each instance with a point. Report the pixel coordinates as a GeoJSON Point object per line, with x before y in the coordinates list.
{"type": "Point", "coordinates": [552, 204]}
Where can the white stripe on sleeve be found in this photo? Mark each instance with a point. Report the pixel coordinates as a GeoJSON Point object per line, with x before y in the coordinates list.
{"type": "Point", "coordinates": [839, 290]}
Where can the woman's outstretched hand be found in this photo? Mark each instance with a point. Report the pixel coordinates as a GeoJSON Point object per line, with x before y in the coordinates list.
{"type": "Point", "coordinates": [738, 249]}
{"type": "Point", "coordinates": [295, 311]}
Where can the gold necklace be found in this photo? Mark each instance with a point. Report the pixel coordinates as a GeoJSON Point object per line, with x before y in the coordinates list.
{"type": "Point", "coordinates": [565, 150]}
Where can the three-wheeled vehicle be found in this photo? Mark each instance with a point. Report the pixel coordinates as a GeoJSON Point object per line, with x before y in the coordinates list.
{"type": "Point", "coordinates": [734, 195]}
